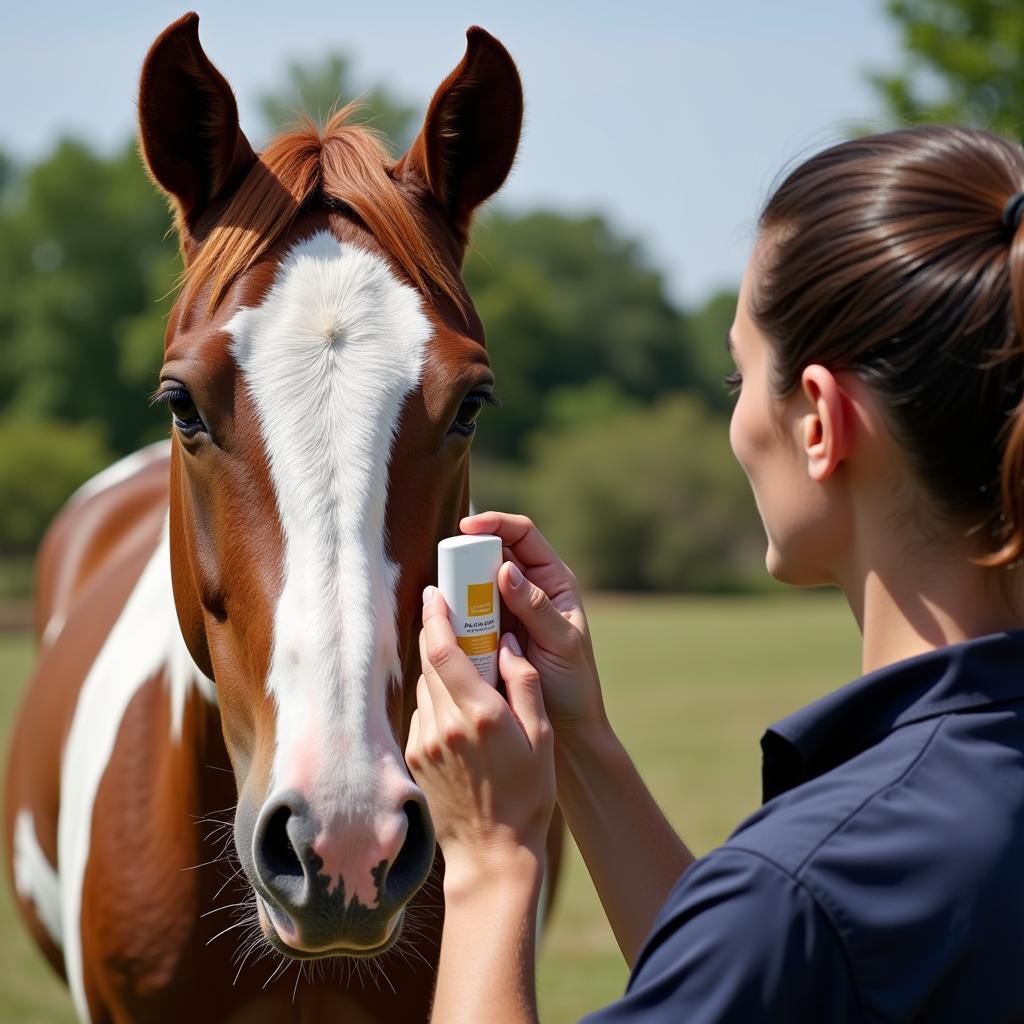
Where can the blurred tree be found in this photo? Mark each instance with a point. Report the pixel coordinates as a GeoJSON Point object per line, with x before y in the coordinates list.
{"type": "Point", "coordinates": [6, 174]}
{"type": "Point", "coordinates": [583, 338]}
{"type": "Point", "coordinates": [84, 261]}
{"type": "Point", "coordinates": [648, 499]}
{"type": "Point", "coordinates": [317, 90]}
{"type": "Point", "coordinates": [566, 301]}
{"type": "Point", "coordinates": [577, 406]}
{"type": "Point", "coordinates": [41, 463]}
{"type": "Point", "coordinates": [964, 62]}
{"type": "Point", "coordinates": [708, 327]}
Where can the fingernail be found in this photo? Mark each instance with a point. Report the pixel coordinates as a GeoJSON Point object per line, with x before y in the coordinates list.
{"type": "Point", "coordinates": [513, 644]}
{"type": "Point", "coordinates": [428, 594]}
{"type": "Point", "coordinates": [515, 577]}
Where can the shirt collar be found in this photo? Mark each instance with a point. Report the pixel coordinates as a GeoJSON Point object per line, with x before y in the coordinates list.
{"type": "Point", "coordinates": [965, 676]}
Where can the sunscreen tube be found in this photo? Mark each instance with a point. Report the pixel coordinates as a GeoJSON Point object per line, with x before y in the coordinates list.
{"type": "Point", "coordinates": [467, 576]}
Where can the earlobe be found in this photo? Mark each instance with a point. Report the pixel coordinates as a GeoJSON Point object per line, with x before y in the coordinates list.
{"type": "Point", "coordinates": [826, 427]}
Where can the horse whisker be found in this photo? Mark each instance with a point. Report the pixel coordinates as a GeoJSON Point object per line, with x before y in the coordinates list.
{"type": "Point", "coordinates": [227, 906]}
{"type": "Point", "coordinates": [206, 863]}
{"type": "Point", "coordinates": [298, 976]}
{"type": "Point", "coordinates": [252, 946]}
{"type": "Point", "coordinates": [279, 969]}
{"type": "Point", "coordinates": [230, 927]}
{"type": "Point", "coordinates": [234, 874]}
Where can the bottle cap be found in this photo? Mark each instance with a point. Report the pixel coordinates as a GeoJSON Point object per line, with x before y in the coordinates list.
{"type": "Point", "coordinates": [471, 559]}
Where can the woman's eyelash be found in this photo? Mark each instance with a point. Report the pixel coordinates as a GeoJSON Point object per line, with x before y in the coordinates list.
{"type": "Point", "coordinates": [733, 381]}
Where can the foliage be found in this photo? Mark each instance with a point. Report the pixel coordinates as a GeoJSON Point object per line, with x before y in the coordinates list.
{"type": "Point", "coordinates": [317, 90]}
{"type": "Point", "coordinates": [6, 172]}
{"type": "Point", "coordinates": [41, 464]}
{"type": "Point", "coordinates": [566, 300]}
{"type": "Point", "coordinates": [579, 406]}
{"type": "Point", "coordinates": [708, 328]}
{"type": "Point", "coordinates": [649, 498]}
{"type": "Point", "coordinates": [83, 263]}
{"type": "Point", "coordinates": [582, 335]}
{"type": "Point", "coordinates": [964, 62]}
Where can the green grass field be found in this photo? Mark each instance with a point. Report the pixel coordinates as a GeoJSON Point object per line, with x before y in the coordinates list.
{"type": "Point", "coordinates": [690, 684]}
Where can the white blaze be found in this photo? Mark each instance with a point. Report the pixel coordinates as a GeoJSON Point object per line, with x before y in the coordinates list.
{"type": "Point", "coordinates": [328, 359]}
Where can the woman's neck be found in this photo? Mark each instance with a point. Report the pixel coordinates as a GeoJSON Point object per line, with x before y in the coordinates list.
{"type": "Point", "coordinates": [909, 602]}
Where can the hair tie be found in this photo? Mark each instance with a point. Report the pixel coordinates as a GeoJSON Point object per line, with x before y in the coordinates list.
{"type": "Point", "coordinates": [1012, 212]}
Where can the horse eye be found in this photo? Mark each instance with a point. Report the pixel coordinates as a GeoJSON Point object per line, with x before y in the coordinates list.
{"type": "Point", "coordinates": [465, 419]}
{"type": "Point", "coordinates": [183, 409]}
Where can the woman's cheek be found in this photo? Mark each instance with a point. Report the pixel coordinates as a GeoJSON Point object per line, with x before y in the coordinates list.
{"type": "Point", "coordinates": [734, 435]}
{"type": "Point", "coordinates": [739, 438]}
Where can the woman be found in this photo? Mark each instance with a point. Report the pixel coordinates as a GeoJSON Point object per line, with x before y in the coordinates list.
{"type": "Point", "coordinates": [880, 420]}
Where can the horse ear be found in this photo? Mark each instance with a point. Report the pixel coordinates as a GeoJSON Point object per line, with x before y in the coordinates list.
{"type": "Point", "coordinates": [188, 122]}
{"type": "Point", "coordinates": [471, 132]}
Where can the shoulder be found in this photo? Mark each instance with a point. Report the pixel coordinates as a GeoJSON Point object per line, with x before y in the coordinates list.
{"type": "Point", "coordinates": [947, 785]}
{"type": "Point", "coordinates": [918, 837]}
{"type": "Point", "coordinates": [792, 829]}
{"type": "Point", "coordinates": [738, 940]}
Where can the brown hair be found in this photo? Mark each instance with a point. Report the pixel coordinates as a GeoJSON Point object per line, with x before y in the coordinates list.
{"type": "Point", "coordinates": [347, 165]}
{"type": "Point", "coordinates": [887, 255]}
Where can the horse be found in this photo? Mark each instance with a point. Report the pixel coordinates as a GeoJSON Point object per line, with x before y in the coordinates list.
{"type": "Point", "coordinates": [227, 621]}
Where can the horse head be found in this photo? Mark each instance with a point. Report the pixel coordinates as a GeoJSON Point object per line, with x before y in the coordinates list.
{"type": "Point", "coordinates": [324, 368]}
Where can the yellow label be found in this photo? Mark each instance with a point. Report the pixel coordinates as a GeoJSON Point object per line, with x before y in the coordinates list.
{"type": "Point", "coordinates": [483, 643]}
{"type": "Point", "coordinates": [480, 599]}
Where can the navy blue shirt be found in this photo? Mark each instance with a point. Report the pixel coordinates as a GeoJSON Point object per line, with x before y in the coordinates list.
{"type": "Point", "coordinates": [882, 880]}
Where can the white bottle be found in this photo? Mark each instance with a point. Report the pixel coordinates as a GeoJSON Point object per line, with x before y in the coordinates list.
{"type": "Point", "coordinates": [467, 576]}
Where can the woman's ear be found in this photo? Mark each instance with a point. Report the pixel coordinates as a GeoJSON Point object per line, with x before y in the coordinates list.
{"type": "Point", "coordinates": [470, 135]}
{"type": "Point", "coordinates": [827, 426]}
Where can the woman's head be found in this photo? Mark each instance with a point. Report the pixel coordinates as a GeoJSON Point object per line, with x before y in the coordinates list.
{"type": "Point", "coordinates": [886, 259]}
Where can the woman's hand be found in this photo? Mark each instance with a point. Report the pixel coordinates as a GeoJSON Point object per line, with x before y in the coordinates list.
{"type": "Point", "coordinates": [539, 589]}
{"type": "Point", "coordinates": [485, 766]}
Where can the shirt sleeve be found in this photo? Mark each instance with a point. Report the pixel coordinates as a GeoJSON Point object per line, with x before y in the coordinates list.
{"type": "Point", "coordinates": [738, 940]}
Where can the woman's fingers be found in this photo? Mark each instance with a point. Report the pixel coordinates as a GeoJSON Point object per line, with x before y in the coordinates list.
{"type": "Point", "coordinates": [444, 662]}
{"type": "Point", "coordinates": [517, 533]}
{"type": "Point", "coordinates": [522, 684]}
{"type": "Point", "coordinates": [546, 625]}
{"type": "Point", "coordinates": [422, 744]}
{"type": "Point", "coordinates": [413, 739]}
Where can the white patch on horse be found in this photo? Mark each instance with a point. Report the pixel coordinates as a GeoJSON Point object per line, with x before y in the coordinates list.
{"type": "Point", "coordinates": [122, 470]}
{"type": "Point", "coordinates": [53, 629]}
{"type": "Point", "coordinates": [328, 358]}
{"type": "Point", "coordinates": [144, 641]}
{"type": "Point", "coordinates": [34, 877]}
{"type": "Point", "coordinates": [102, 481]}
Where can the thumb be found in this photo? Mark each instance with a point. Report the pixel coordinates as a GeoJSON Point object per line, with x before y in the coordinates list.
{"type": "Point", "coordinates": [522, 686]}
{"type": "Point", "coordinates": [547, 626]}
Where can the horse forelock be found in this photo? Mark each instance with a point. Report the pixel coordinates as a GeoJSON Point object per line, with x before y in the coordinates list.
{"type": "Point", "coordinates": [343, 166]}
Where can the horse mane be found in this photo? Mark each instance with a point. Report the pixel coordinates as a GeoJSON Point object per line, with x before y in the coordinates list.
{"type": "Point", "coordinates": [345, 164]}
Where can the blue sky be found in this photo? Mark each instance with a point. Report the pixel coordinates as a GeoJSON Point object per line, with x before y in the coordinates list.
{"type": "Point", "coordinates": [671, 118]}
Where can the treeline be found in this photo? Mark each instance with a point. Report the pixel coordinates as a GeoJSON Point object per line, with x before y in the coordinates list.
{"type": "Point", "coordinates": [612, 432]}
{"type": "Point", "coordinates": [613, 428]}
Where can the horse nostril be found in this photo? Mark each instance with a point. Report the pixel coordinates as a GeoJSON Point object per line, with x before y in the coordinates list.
{"type": "Point", "coordinates": [412, 865]}
{"type": "Point", "coordinates": [278, 853]}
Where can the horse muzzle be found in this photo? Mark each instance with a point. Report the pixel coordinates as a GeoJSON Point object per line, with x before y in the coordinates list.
{"type": "Point", "coordinates": [340, 886]}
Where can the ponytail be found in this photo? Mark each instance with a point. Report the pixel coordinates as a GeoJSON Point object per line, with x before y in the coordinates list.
{"type": "Point", "coordinates": [887, 255]}
{"type": "Point", "coordinates": [1011, 519]}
